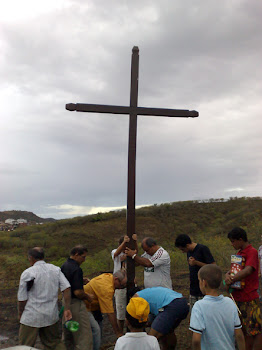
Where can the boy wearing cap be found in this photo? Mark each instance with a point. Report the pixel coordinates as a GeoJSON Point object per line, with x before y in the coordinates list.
{"type": "Point", "coordinates": [136, 317]}
{"type": "Point", "coordinates": [167, 308]}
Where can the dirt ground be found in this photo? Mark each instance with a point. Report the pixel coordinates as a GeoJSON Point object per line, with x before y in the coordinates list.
{"type": "Point", "coordinates": [9, 325]}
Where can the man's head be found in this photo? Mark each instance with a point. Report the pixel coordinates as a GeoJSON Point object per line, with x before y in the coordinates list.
{"type": "Point", "coordinates": [120, 279]}
{"type": "Point", "coordinates": [35, 254]}
{"type": "Point", "coordinates": [137, 312]}
{"type": "Point", "coordinates": [183, 243]}
{"type": "Point", "coordinates": [237, 237]}
{"type": "Point", "coordinates": [78, 253]}
{"type": "Point", "coordinates": [149, 245]}
{"type": "Point", "coordinates": [210, 277]}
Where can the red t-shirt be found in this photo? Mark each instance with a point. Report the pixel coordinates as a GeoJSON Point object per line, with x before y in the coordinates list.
{"type": "Point", "coordinates": [249, 292]}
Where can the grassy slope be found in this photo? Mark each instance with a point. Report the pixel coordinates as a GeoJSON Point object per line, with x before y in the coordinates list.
{"type": "Point", "coordinates": [206, 222]}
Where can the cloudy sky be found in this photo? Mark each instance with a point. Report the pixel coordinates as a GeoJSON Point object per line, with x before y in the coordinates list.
{"type": "Point", "coordinates": [202, 55]}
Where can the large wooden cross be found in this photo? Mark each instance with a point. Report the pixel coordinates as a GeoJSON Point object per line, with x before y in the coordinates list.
{"type": "Point", "coordinates": [133, 110]}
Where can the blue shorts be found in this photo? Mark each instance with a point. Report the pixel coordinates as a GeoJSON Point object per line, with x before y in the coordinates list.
{"type": "Point", "coordinates": [166, 321]}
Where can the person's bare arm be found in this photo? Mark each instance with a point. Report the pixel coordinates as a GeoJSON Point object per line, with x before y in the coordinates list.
{"type": "Point", "coordinates": [67, 300]}
{"type": "Point", "coordinates": [122, 257]}
{"type": "Point", "coordinates": [143, 261]}
{"type": "Point", "coordinates": [122, 246]}
{"type": "Point", "coordinates": [21, 307]}
{"type": "Point", "coordinates": [138, 259]}
{"type": "Point", "coordinates": [238, 276]}
{"type": "Point", "coordinates": [192, 261]}
{"type": "Point", "coordinates": [80, 294]}
{"type": "Point", "coordinates": [240, 339]}
{"type": "Point", "coordinates": [113, 321]}
{"type": "Point", "coordinates": [196, 341]}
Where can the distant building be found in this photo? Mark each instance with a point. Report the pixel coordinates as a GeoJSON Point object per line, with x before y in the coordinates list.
{"type": "Point", "coordinates": [10, 221]}
{"type": "Point", "coordinates": [21, 221]}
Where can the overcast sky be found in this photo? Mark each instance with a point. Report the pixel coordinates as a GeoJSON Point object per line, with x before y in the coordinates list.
{"type": "Point", "coordinates": [197, 55]}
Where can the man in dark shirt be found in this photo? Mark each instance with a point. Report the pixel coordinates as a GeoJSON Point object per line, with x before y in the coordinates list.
{"type": "Point", "coordinates": [82, 339]}
{"type": "Point", "coordinates": [198, 255]}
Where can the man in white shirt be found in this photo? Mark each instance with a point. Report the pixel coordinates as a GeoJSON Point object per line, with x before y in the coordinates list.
{"type": "Point", "coordinates": [37, 302]}
{"type": "Point", "coordinates": [156, 262]}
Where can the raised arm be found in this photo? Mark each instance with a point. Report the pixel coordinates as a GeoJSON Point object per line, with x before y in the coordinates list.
{"type": "Point", "coordinates": [138, 259]}
{"type": "Point", "coordinates": [122, 246]}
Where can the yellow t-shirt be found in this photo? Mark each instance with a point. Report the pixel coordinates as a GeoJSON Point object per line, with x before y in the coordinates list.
{"type": "Point", "coordinates": [103, 289]}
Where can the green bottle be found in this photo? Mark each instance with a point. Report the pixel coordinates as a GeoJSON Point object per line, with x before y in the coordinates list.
{"type": "Point", "coordinates": [72, 326]}
{"type": "Point", "coordinates": [61, 312]}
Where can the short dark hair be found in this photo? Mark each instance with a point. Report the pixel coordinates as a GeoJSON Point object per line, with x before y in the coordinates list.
{"type": "Point", "coordinates": [182, 240]}
{"type": "Point", "coordinates": [237, 233]}
{"type": "Point", "coordinates": [150, 242]}
{"type": "Point", "coordinates": [79, 250]}
{"type": "Point", "coordinates": [134, 322]}
{"type": "Point", "coordinates": [37, 253]}
{"type": "Point", "coordinates": [212, 274]}
{"type": "Point", "coordinates": [121, 240]}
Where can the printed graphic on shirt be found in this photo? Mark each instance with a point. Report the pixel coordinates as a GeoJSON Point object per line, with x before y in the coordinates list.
{"type": "Point", "coordinates": [157, 255]}
{"type": "Point", "coordinates": [149, 269]}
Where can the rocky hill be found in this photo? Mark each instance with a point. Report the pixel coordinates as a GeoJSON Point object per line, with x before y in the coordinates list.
{"type": "Point", "coordinates": [19, 214]}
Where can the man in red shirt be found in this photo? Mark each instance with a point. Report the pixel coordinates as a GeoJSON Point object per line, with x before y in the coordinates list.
{"type": "Point", "coordinates": [247, 298]}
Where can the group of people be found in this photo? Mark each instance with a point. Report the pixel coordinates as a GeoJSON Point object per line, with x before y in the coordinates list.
{"type": "Point", "coordinates": [216, 322]}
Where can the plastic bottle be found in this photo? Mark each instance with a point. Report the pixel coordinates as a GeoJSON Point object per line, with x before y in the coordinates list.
{"type": "Point", "coordinates": [61, 312]}
{"type": "Point", "coordinates": [72, 326]}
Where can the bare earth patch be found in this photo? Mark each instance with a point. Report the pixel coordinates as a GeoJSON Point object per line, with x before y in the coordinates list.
{"type": "Point", "coordinates": [10, 324]}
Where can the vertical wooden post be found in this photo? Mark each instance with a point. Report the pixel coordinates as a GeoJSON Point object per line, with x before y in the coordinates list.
{"type": "Point", "coordinates": [131, 195]}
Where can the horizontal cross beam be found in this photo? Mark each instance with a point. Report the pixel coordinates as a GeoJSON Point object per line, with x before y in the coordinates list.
{"type": "Point", "coordinates": [84, 107]}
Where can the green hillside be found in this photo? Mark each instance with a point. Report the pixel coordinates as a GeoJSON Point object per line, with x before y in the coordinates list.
{"type": "Point", "coordinates": [207, 222]}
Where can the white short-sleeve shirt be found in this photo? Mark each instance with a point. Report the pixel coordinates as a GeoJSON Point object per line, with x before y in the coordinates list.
{"type": "Point", "coordinates": [139, 340]}
{"type": "Point", "coordinates": [159, 274]}
{"type": "Point", "coordinates": [41, 309]}
{"type": "Point", "coordinates": [117, 261]}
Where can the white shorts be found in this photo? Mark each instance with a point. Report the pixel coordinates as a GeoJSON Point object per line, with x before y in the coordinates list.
{"type": "Point", "coordinates": [120, 298]}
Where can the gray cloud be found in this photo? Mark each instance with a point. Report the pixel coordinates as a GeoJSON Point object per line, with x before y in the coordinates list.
{"type": "Point", "coordinates": [192, 56]}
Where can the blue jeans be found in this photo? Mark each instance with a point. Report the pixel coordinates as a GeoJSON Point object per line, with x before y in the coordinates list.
{"type": "Point", "coordinates": [96, 331]}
